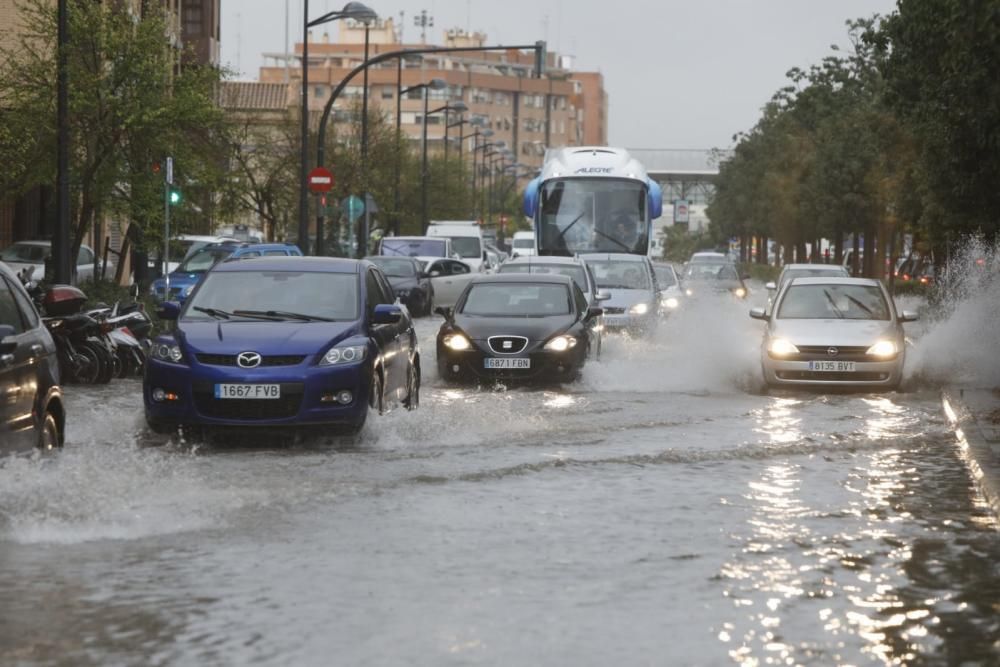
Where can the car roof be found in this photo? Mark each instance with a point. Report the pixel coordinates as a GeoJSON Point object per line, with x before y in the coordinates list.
{"type": "Point", "coordinates": [815, 267]}
{"type": "Point", "coordinates": [542, 260]}
{"type": "Point", "coordinates": [836, 280]}
{"type": "Point", "coordinates": [554, 278]}
{"type": "Point", "coordinates": [294, 263]}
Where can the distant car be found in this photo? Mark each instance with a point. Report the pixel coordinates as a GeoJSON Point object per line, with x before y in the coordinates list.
{"type": "Point", "coordinates": [791, 271]}
{"type": "Point", "coordinates": [283, 342]}
{"type": "Point", "coordinates": [523, 244]}
{"type": "Point", "coordinates": [572, 267]}
{"type": "Point", "coordinates": [516, 327]}
{"type": "Point", "coordinates": [186, 276]}
{"type": "Point", "coordinates": [448, 279]}
{"type": "Point", "coordinates": [833, 331]}
{"type": "Point", "coordinates": [410, 283]}
{"type": "Point", "coordinates": [501, 253]}
{"type": "Point", "coordinates": [24, 254]}
{"type": "Point", "coordinates": [703, 278]}
{"type": "Point", "coordinates": [706, 256]}
{"type": "Point", "coordinates": [31, 406]}
{"type": "Point", "coordinates": [633, 304]}
{"type": "Point", "coordinates": [669, 285]}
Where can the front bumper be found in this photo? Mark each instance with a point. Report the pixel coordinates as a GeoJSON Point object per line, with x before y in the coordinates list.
{"type": "Point", "coordinates": [302, 388]}
{"type": "Point", "coordinates": [633, 324]}
{"type": "Point", "coordinates": [865, 373]}
{"type": "Point", "coordinates": [545, 366]}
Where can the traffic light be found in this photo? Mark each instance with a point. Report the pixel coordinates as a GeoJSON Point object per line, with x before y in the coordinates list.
{"type": "Point", "coordinates": [175, 197]}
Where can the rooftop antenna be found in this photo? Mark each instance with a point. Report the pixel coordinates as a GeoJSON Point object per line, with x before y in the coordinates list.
{"type": "Point", "coordinates": [287, 74]}
{"type": "Point", "coordinates": [402, 26]}
{"type": "Point", "coordinates": [423, 20]}
{"type": "Point", "coordinates": [239, 43]}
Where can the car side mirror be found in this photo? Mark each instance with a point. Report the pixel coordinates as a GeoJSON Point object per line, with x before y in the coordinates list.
{"type": "Point", "coordinates": [758, 313]}
{"type": "Point", "coordinates": [169, 310]}
{"type": "Point", "coordinates": [434, 274]}
{"type": "Point", "coordinates": [602, 295]}
{"type": "Point", "coordinates": [386, 314]}
{"type": "Point", "coordinates": [770, 285]}
{"type": "Point", "coordinates": [594, 312]}
{"type": "Point", "coordinates": [444, 312]}
{"type": "Point", "coordinates": [909, 316]}
{"type": "Point", "coordinates": [7, 341]}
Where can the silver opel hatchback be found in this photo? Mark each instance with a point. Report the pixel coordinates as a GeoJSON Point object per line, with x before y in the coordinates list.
{"type": "Point", "coordinates": [833, 331]}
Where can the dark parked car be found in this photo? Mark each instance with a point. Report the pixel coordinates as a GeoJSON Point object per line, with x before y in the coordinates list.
{"type": "Point", "coordinates": [31, 407]}
{"type": "Point", "coordinates": [516, 327]}
{"type": "Point", "coordinates": [283, 342]}
{"type": "Point", "coordinates": [409, 282]}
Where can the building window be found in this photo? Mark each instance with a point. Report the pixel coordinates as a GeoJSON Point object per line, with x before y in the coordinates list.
{"type": "Point", "coordinates": [319, 92]}
{"type": "Point", "coordinates": [388, 92]}
{"type": "Point", "coordinates": [192, 18]}
{"type": "Point", "coordinates": [480, 96]}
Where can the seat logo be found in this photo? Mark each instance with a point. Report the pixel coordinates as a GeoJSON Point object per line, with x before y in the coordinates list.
{"type": "Point", "coordinates": [508, 344]}
{"type": "Point", "coordinates": [248, 360]}
{"type": "Point", "coordinates": [832, 351]}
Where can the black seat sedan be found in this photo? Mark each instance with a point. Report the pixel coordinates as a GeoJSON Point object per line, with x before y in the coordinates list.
{"type": "Point", "coordinates": [410, 283]}
{"type": "Point", "coordinates": [526, 327]}
{"type": "Point", "coordinates": [31, 407]}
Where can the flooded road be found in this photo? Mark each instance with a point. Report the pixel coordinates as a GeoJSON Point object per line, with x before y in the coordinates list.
{"type": "Point", "coordinates": [663, 510]}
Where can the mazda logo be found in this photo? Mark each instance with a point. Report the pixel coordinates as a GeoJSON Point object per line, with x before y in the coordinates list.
{"type": "Point", "coordinates": [248, 360]}
{"type": "Point", "coordinates": [832, 351]}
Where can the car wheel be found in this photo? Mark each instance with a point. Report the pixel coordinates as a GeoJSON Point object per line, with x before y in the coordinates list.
{"type": "Point", "coordinates": [91, 368]}
{"type": "Point", "coordinates": [376, 401]}
{"type": "Point", "coordinates": [48, 435]}
{"type": "Point", "coordinates": [412, 401]}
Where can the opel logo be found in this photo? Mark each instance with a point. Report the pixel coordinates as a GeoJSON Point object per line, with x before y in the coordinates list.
{"type": "Point", "coordinates": [248, 360]}
{"type": "Point", "coordinates": [832, 351]}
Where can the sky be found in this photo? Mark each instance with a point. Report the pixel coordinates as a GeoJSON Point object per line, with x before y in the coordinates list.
{"type": "Point", "coordinates": [679, 73]}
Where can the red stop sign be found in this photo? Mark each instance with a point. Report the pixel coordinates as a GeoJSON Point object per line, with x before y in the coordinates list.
{"type": "Point", "coordinates": [320, 180]}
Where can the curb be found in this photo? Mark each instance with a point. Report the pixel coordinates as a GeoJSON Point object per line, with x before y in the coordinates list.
{"type": "Point", "coordinates": [981, 457]}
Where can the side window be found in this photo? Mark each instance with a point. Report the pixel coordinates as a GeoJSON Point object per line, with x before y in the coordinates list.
{"type": "Point", "coordinates": [458, 268]}
{"type": "Point", "coordinates": [275, 253]}
{"type": "Point", "coordinates": [10, 314]}
{"type": "Point", "coordinates": [28, 312]}
{"type": "Point", "coordinates": [581, 301]}
{"type": "Point", "coordinates": [388, 294]}
{"type": "Point", "coordinates": [252, 253]}
{"type": "Point", "coordinates": [374, 291]}
{"type": "Point", "coordinates": [437, 266]}
{"type": "Point", "coordinates": [85, 256]}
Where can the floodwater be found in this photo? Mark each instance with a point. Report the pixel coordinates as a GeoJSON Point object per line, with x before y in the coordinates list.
{"type": "Point", "coordinates": [662, 511]}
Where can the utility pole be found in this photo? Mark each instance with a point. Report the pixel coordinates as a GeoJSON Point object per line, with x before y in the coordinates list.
{"type": "Point", "coordinates": [60, 239]}
{"type": "Point", "coordinates": [423, 20]}
{"type": "Point", "coordinates": [168, 181]}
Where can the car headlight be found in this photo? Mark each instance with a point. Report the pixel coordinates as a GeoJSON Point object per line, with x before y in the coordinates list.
{"type": "Point", "coordinates": [740, 292]}
{"type": "Point", "coordinates": [457, 342]}
{"type": "Point", "coordinates": [780, 347]}
{"type": "Point", "coordinates": [343, 354]}
{"type": "Point", "coordinates": [671, 302]}
{"type": "Point", "coordinates": [561, 343]}
{"type": "Point", "coordinates": [168, 352]}
{"type": "Point", "coordinates": [187, 290]}
{"type": "Point", "coordinates": [689, 291]}
{"type": "Point", "coordinates": [884, 349]}
{"type": "Point", "coordinates": [639, 309]}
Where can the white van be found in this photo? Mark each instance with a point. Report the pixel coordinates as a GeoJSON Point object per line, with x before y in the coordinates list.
{"type": "Point", "coordinates": [416, 246]}
{"type": "Point", "coordinates": [523, 244]}
{"type": "Point", "coordinates": [466, 240]}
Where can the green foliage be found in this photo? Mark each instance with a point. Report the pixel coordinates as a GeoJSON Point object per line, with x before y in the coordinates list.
{"type": "Point", "coordinates": [762, 272]}
{"type": "Point", "coordinates": [679, 244]}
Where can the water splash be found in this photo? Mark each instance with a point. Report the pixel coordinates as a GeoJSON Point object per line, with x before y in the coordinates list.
{"type": "Point", "coordinates": [961, 343]}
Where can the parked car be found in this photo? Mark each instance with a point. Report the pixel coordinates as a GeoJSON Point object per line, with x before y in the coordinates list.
{"type": "Point", "coordinates": [24, 254]}
{"type": "Point", "coordinates": [516, 327]}
{"type": "Point", "coordinates": [31, 405]}
{"type": "Point", "coordinates": [283, 342]}
{"type": "Point", "coordinates": [634, 302]}
{"type": "Point", "coordinates": [186, 276]}
{"type": "Point", "coordinates": [410, 283]}
{"type": "Point", "coordinates": [833, 331]}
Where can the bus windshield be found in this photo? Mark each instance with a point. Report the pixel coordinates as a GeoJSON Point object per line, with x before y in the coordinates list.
{"type": "Point", "coordinates": [586, 215]}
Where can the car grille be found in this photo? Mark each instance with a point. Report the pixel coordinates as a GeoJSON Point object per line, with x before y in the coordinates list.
{"type": "Point", "coordinates": [613, 310]}
{"type": "Point", "coordinates": [507, 344]}
{"type": "Point", "coordinates": [230, 360]}
{"type": "Point", "coordinates": [250, 409]}
{"type": "Point", "coordinates": [864, 376]}
{"type": "Point", "coordinates": [821, 353]}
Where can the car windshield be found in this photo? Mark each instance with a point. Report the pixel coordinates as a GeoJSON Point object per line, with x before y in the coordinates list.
{"type": "Point", "coordinates": [828, 272]}
{"type": "Point", "coordinates": [619, 275]}
{"type": "Point", "coordinates": [327, 295]}
{"type": "Point", "coordinates": [467, 246]}
{"type": "Point", "coordinates": [517, 300]}
{"type": "Point", "coordinates": [397, 268]}
{"type": "Point", "coordinates": [833, 302]}
{"type": "Point", "coordinates": [665, 276]}
{"type": "Point", "coordinates": [574, 271]}
{"type": "Point", "coordinates": [524, 243]}
{"type": "Point", "coordinates": [711, 272]}
{"type": "Point", "coordinates": [203, 260]}
{"type": "Point", "coordinates": [25, 253]}
{"type": "Point", "coordinates": [414, 247]}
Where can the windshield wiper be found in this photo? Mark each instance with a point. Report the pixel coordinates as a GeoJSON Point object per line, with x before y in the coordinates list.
{"type": "Point", "coordinates": [860, 305]}
{"type": "Point", "coordinates": [840, 315]}
{"type": "Point", "coordinates": [214, 312]}
{"type": "Point", "coordinates": [281, 314]}
{"type": "Point", "coordinates": [563, 232]}
{"type": "Point", "coordinates": [612, 239]}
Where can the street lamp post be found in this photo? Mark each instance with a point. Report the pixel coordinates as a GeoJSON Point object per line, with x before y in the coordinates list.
{"type": "Point", "coordinates": [425, 222]}
{"type": "Point", "coordinates": [485, 134]}
{"type": "Point", "coordinates": [352, 10]}
{"type": "Point", "coordinates": [433, 84]}
{"type": "Point", "coordinates": [60, 240]}
{"type": "Point", "coordinates": [459, 108]}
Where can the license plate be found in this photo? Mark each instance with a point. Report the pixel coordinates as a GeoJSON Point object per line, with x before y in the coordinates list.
{"type": "Point", "coordinates": [518, 362]}
{"type": "Point", "coordinates": [832, 366]}
{"type": "Point", "coordinates": [248, 391]}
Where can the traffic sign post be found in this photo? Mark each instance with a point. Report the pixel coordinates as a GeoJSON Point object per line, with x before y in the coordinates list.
{"type": "Point", "coordinates": [320, 181]}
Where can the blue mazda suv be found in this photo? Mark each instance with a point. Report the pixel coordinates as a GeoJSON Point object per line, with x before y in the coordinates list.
{"type": "Point", "coordinates": [283, 342]}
